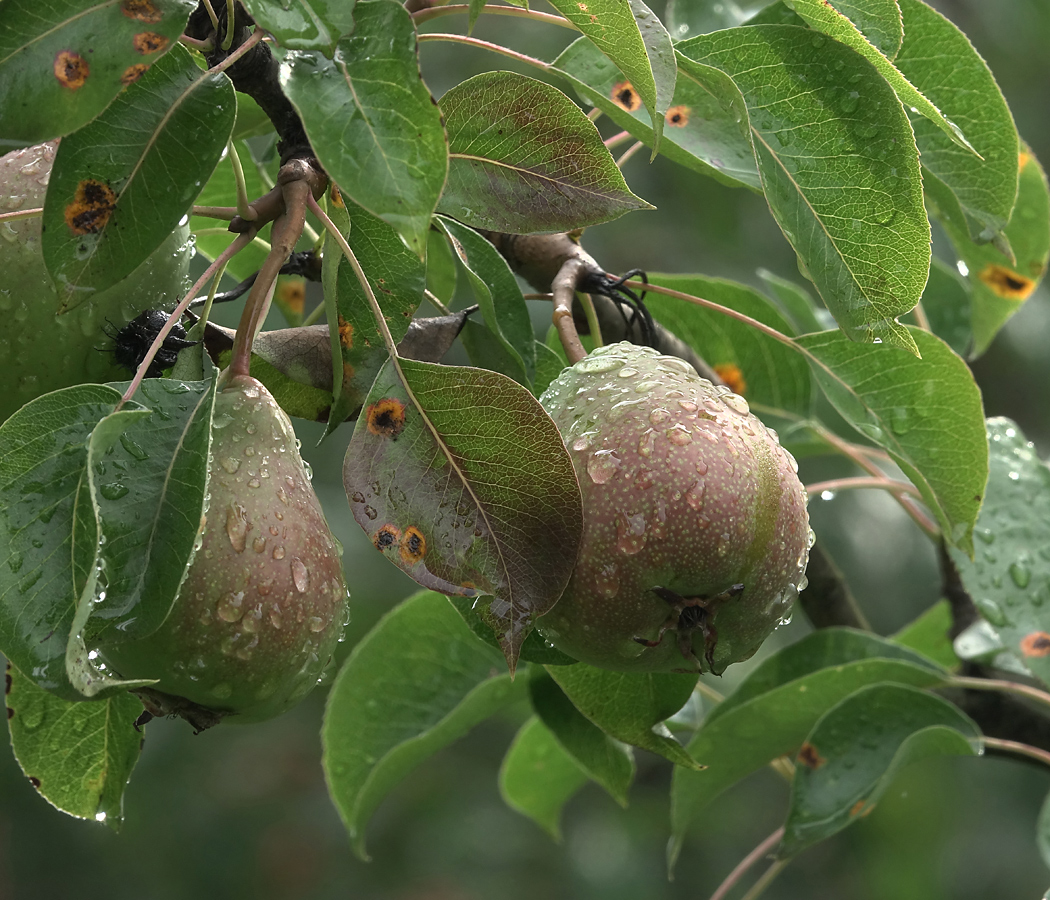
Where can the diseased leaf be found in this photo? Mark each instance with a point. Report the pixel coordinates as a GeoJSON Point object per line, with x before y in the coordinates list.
{"type": "Point", "coordinates": [840, 172]}
{"type": "Point", "coordinates": [416, 682]}
{"type": "Point", "coordinates": [524, 158]}
{"type": "Point", "coordinates": [926, 413]}
{"type": "Point", "coordinates": [462, 480]}
{"type": "Point", "coordinates": [78, 756]}
{"type": "Point", "coordinates": [110, 203]}
{"type": "Point", "coordinates": [304, 24]}
{"type": "Point", "coordinates": [857, 748]}
{"type": "Point", "coordinates": [629, 707]}
{"type": "Point", "coordinates": [63, 61]}
{"type": "Point", "coordinates": [371, 120]}
{"type": "Point", "coordinates": [534, 648]}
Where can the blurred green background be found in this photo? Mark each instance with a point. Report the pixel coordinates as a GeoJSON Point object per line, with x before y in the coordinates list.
{"type": "Point", "coordinates": [243, 812]}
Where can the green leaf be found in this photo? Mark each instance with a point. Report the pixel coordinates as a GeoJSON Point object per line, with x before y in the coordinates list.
{"type": "Point", "coordinates": [538, 777]}
{"type": "Point", "coordinates": [501, 301]}
{"type": "Point", "coordinates": [303, 401]}
{"type": "Point", "coordinates": [772, 374]}
{"type": "Point", "coordinates": [929, 635]}
{"type": "Point", "coordinates": [463, 481]}
{"type": "Point", "coordinates": [636, 42]}
{"type": "Point", "coordinates": [835, 21]}
{"type": "Point", "coordinates": [856, 750]}
{"type": "Point", "coordinates": [942, 63]}
{"type": "Point", "coordinates": [926, 413]}
{"type": "Point", "coordinates": [1009, 575]}
{"type": "Point", "coordinates": [418, 681]}
{"type": "Point", "coordinates": [999, 288]}
{"type": "Point", "coordinates": [371, 120]}
{"type": "Point", "coordinates": [796, 302]}
{"type": "Point", "coordinates": [947, 302]}
{"type": "Point", "coordinates": [1042, 832]}
{"type": "Point", "coordinates": [63, 61]}
{"type": "Point", "coordinates": [841, 173]}
{"type": "Point", "coordinates": [630, 707]}
{"type": "Point", "coordinates": [772, 724]}
{"type": "Point", "coordinates": [708, 133]}
{"type": "Point", "coordinates": [304, 24]}
{"type": "Point", "coordinates": [78, 756]}
{"type": "Point", "coordinates": [524, 158]}
{"type": "Point", "coordinates": [604, 759]}
{"type": "Point", "coordinates": [112, 203]}
{"type": "Point", "coordinates": [398, 279]}
{"type": "Point", "coordinates": [879, 21]}
{"type": "Point", "coordinates": [687, 18]}
{"type": "Point", "coordinates": [442, 274]}
{"type": "Point", "coordinates": [43, 454]}
{"type": "Point", "coordinates": [534, 648]}
{"type": "Point", "coordinates": [548, 367]}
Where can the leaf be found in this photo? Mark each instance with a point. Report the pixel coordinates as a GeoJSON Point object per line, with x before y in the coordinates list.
{"type": "Point", "coordinates": [548, 367]}
{"type": "Point", "coordinates": [1009, 575]}
{"type": "Point", "coordinates": [636, 42]}
{"type": "Point", "coordinates": [630, 707]}
{"type": "Point", "coordinates": [538, 777]}
{"type": "Point", "coordinates": [926, 413]}
{"type": "Point", "coordinates": [414, 684]}
{"type": "Point", "coordinates": [772, 724]}
{"type": "Point", "coordinates": [78, 756]}
{"type": "Point", "coordinates": [501, 301]}
{"type": "Point", "coordinates": [304, 24]}
{"type": "Point", "coordinates": [856, 750]}
{"type": "Point", "coordinates": [43, 453]}
{"type": "Point", "coordinates": [371, 120]}
{"type": "Point", "coordinates": [442, 274]}
{"type": "Point", "coordinates": [757, 367]}
{"type": "Point", "coordinates": [708, 133]}
{"type": "Point", "coordinates": [836, 22]}
{"type": "Point", "coordinates": [947, 303]}
{"type": "Point", "coordinates": [879, 21]}
{"type": "Point", "coordinates": [463, 481]}
{"type": "Point", "coordinates": [841, 173]}
{"type": "Point", "coordinates": [110, 203]}
{"type": "Point", "coordinates": [796, 303]}
{"type": "Point", "coordinates": [524, 158]}
{"type": "Point", "coordinates": [1042, 832]}
{"type": "Point", "coordinates": [686, 18]}
{"type": "Point", "coordinates": [534, 648]}
{"type": "Point", "coordinates": [942, 63]}
{"type": "Point", "coordinates": [398, 279]}
{"type": "Point", "coordinates": [62, 62]}
{"type": "Point", "coordinates": [602, 758]}
{"type": "Point", "coordinates": [999, 288]}
{"type": "Point", "coordinates": [929, 635]}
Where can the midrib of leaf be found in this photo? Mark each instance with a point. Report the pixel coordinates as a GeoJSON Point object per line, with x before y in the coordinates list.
{"type": "Point", "coordinates": [364, 117]}
{"type": "Point", "coordinates": [59, 27]}
{"type": "Point", "coordinates": [582, 189]}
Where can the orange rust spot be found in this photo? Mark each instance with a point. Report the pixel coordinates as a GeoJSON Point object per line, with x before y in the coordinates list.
{"type": "Point", "coordinates": [1006, 283]}
{"type": "Point", "coordinates": [142, 10]}
{"type": "Point", "coordinates": [148, 42]}
{"type": "Point", "coordinates": [133, 73]}
{"type": "Point", "coordinates": [732, 376]}
{"type": "Point", "coordinates": [808, 756]}
{"type": "Point", "coordinates": [386, 417]}
{"type": "Point", "coordinates": [292, 294]}
{"type": "Point", "coordinates": [337, 198]}
{"type": "Point", "coordinates": [625, 96]}
{"type": "Point", "coordinates": [1022, 160]}
{"type": "Point", "coordinates": [413, 545]}
{"type": "Point", "coordinates": [1036, 644]}
{"type": "Point", "coordinates": [71, 69]}
{"type": "Point", "coordinates": [677, 116]}
{"type": "Point", "coordinates": [91, 207]}
{"type": "Point", "coordinates": [346, 333]}
{"type": "Point", "coordinates": [348, 373]}
{"type": "Point", "coordinates": [388, 536]}
{"type": "Point", "coordinates": [859, 809]}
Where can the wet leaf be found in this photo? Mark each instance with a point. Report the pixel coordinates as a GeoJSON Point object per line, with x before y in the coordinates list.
{"type": "Point", "coordinates": [112, 203]}
{"type": "Point", "coordinates": [43, 454]}
{"type": "Point", "coordinates": [372, 121]}
{"type": "Point", "coordinates": [62, 62]}
{"type": "Point", "coordinates": [947, 303]}
{"type": "Point", "coordinates": [926, 413]}
{"type": "Point", "coordinates": [857, 748]}
{"type": "Point", "coordinates": [756, 366]}
{"type": "Point", "coordinates": [602, 758]}
{"type": "Point", "coordinates": [841, 173]}
{"type": "Point", "coordinates": [418, 681]}
{"type": "Point", "coordinates": [636, 42]}
{"type": "Point", "coordinates": [463, 481]}
{"type": "Point", "coordinates": [78, 756]}
{"type": "Point", "coordinates": [1009, 576]}
{"type": "Point", "coordinates": [796, 302]}
{"type": "Point", "coordinates": [941, 62]}
{"type": "Point", "coordinates": [534, 648]}
{"type": "Point", "coordinates": [304, 24]}
{"type": "Point", "coordinates": [524, 158]}
{"type": "Point", "coordinates": [686, 18]}
{"type": "Point", "coordinates": [629, 707]}
{"type": "Point", "coordinates": [709, 131]}
{"type": "Point", "coordinates": [929, 634]}
{"type": "Point", "coordinates": [538, 777]}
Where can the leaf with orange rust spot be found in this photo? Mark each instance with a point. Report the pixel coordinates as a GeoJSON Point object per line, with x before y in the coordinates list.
{"type": "Point", "coordinates": [461, 477]}
{"type": "Point", "coordinates": [865, 741]}
{"type": "Point", "coordinates": [63, 62]}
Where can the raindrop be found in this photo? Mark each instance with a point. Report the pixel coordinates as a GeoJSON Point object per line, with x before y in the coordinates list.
{"type": "Point", "coordinates": [1020, 573]}
{"type": "Point", "coordinates": [229, 607]}
{"type": "Point", "coordinates": [600, 467]}
{"type": "Point", "coordinates": [695, 495]}
{"type": "Point", "coordinates": [230, 463]}
{"type": "Point", "coordinates": [278, 553]}
{"type": "Point", "coordinates": [991, 610]}
{"type": "Point", "coordinates": [300, 575]}
{"type": "Point", "coordinates": [132, 447]}
{"type": "Point", "coordinates": [237, 527]}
